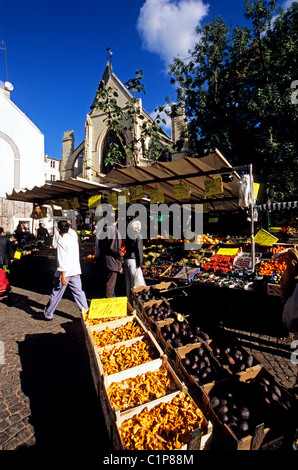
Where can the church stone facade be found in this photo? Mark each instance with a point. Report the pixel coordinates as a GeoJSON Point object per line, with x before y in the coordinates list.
{"type": "Point", "coordinates": [88, 159]}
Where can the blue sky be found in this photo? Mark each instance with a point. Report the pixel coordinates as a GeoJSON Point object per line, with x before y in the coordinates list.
{"type": "Point", "coordinates": [56, 52]}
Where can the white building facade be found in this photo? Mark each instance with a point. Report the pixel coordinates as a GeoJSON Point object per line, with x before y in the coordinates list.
{"type": "Point", "coordinates": [21, 160]}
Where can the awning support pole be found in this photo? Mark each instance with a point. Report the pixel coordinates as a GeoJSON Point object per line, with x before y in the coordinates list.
{"type": "Point", "coordinates": [252, 237]}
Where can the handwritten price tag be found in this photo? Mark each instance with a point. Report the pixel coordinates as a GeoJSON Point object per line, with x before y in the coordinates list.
{"type": "Point", "coordinates": [136, 192]}
{"type": "Point", "coordinates": [213, 186]}
{"type": "Point", "coordinates": [157, 196]}
{"type": "Point", "coordinates": [106, 308]}
{"type": "Point", "coordinates": [181, 191]}
{"type": "Point", "coordinates": [265, 238]}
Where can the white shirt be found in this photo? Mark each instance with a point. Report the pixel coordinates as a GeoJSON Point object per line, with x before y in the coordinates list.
{"type": "Point", "coordinates": [68, 256]}
{"type": "Point", "coordinates": [57, 236]}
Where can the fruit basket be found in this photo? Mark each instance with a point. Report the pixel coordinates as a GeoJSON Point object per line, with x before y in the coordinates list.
{"type": "Point", "coordinates": [155, 311]}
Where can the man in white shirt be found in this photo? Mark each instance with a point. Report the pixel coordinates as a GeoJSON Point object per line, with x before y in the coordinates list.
{"type": "Point", "coordinates": [68, 272]}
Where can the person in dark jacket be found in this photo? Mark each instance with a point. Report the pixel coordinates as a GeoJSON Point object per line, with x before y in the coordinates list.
{"type": "Point", "coordinates": [109, 256]}
{"type": "Point", "coordinates": [6, 250]}
{"type": "Point", "coordinates": [133, 259]}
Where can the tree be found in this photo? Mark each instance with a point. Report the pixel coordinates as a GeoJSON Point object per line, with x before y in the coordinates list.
{"type": "Point", "coordinates": [236, 89]}
{"type": "Point", "coordinates": [136, 134]}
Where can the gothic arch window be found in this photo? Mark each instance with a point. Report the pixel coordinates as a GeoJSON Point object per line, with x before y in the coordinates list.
{"type": "Point", "coordinates": [110, 138]}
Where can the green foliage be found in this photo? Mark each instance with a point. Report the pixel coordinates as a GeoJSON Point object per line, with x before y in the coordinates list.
{"type": "Point", "coordinates": [236, 89]}
{"type": "Point", "coordinates": [143, 136]}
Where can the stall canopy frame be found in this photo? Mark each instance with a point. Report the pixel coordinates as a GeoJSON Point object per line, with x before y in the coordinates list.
{"type": "Point", "coordinates": [193, 170]}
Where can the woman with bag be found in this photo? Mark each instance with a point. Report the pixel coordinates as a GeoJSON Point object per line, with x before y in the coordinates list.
{"type": "Point", "coordinates": [133, 259]}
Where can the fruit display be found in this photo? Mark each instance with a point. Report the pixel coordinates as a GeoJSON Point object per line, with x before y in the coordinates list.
{"type": "Point", "coordinates": [273, 404]}
{"type": "Point", "coordinates": [272, 266]}
{"type": "Point", "coordinates": [124, 357]}
{"type": "Point", "coordinates": [143, 388]}
{"type": "Point", "coordinates": [154, 271]}
{"type": "Point", "coordinates": [167, 426]}
{"type": "Point", "coordinates": [220, 264]}
{"type": "Point", "coordinates": [199, 363]}
{"type": "Point", "coordinates": [179, 333]}
{"type": "Point", "coordinates": [233, 406]}
{"type": "Point", "coordinates": [231, 355]}
{"type": "Point", "coordinates": [150, 293]}
{"type": "Point", "coordinates": [130, 330]}
{"type": "Point", "coordinates": [159, 311]}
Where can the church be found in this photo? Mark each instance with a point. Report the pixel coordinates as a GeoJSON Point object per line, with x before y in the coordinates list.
{"type": "Point", "coordinates": [88, 159]}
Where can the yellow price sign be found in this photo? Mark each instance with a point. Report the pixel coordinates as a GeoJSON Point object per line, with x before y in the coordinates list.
{"type": "Point", "coordinates": [182, 191]}
{"type": "Point", "coordinates": [18, 253]}
{"type": "Point", "coordinates": [94, 201]}
{"type": "Point", "coordinates": [213, 186]}
{"type": "Point", "coordinates": [157, 196]}
{"type": "Point", "coordinates": [265, 238]}
{"type": "Point", "coordinates": [136, 192]}
{"type": "Point", "coordinates": [106, 308]}
{"type": "Point", "coordinates": [113, 200]}
{"type": "Point", "coordinates": [227, 251]}
{"type": "Point", "coordinates": [125, 194]}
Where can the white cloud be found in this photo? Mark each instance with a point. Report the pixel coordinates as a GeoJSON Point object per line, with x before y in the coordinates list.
{"type": "Point", "coordinates": [168, 28]}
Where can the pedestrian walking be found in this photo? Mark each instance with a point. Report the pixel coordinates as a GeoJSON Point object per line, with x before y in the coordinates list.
{"type": "Point", "coordinates": [108, 256]}
{"type": "Point", "coordinates": [133, 259]}
{"type": "Point", "coordinates": [68, 272]}
{"type": "Point", "coordinates": [6, 250]}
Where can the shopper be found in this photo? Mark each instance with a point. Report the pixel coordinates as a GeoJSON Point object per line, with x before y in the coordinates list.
{"type": "Point", "coordinates": [108, 256]}
{"type": "Point", "coordinates": [42, 232]}
{"type": "Point", "coordinates": [133, 259]}
{"type": "Point", "coordinates": [68, 272]}
{"type": "Point", "coordinates": [6, 250]}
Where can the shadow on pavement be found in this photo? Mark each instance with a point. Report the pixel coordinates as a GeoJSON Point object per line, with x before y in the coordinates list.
{"type": "Point", "coordinates": [56, 377]}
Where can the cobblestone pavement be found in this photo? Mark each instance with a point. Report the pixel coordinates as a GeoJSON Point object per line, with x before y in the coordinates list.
{"type": "Point", "coordinates": [47, 396]}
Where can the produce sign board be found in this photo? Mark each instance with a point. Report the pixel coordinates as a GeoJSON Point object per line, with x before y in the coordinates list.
{"type": "Point", "coordinates": [227, 251]}
{"type": "Point", "coordinates": [265, 238]}
{"type": "Point", "coordinates": [213, 186]}
{"type": "Point", "coordinates": [103, 308]}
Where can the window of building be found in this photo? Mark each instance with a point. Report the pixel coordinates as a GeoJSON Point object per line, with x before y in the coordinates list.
{"type": "Point", "coordinates": [52, 164]}
{"type": "Point", "coordinates": [53, 178]}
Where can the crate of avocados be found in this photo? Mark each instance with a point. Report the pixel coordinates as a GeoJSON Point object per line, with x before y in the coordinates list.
{"type": "Point", "coordinates": [173, 422]}
{"type": "Point", "coordinates": [231, 408]}
{"type": "Point", "coordinates": [231, 355]}
{"type": "Point", "coordinates": [175, 333]}
{"type": "Point", "coordinates": [155, 311]}
{"type": "Point", "coordinates": [274, 406]}
{"type": "Point", "coordinates": [197, 366]}
{"type": "Point", "coordinates": [144, 294]}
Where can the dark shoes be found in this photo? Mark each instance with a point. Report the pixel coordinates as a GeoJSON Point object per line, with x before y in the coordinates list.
{"type": "Point", "coordinates": [40, 316]}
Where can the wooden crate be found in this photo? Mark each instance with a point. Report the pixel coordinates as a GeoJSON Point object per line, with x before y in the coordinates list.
{"type": "Point", "coordinates": [152, 366]}
{"type": "Point", "coordinates": [149, 320]}
{"type": "Point", "coordinates": [197, 442]}
{"type": "Point", "coordinates": [266, 435]}
{"type": "Point", "coordinates": [190, 380]}
{"type": "Point", "coordinates": [158, 352]}
{"type": "Point", "coordinates": [273, 289]}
